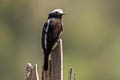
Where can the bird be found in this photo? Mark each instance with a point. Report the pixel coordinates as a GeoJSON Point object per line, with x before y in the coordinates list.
{"type": "Point", "coordinates": [51, 33]}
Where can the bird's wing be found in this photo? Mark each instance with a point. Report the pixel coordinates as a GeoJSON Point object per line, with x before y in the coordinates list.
{"type": "Point", "coordinates": [46, 26]}
{"type": "Point", "coordinates": [45, 31]}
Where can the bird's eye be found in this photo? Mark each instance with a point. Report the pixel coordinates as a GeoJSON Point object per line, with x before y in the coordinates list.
{"type": "Point", "coordinates": [57, 12]}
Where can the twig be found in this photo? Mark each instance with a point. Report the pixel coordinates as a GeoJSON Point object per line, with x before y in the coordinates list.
{"type": "Point", "coordinates": [70, 73]}
{"type": "Point", "coordinates": [75, 77]}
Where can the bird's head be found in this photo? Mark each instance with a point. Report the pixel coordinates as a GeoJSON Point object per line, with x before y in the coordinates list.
{"type": "Point", "coordinates": [56, 13]}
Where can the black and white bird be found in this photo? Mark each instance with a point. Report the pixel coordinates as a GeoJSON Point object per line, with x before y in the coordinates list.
{"type": "Point", "coordinates": [51, 33]}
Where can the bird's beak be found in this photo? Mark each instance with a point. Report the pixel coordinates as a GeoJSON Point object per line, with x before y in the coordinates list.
{"type": "Point", "coordinates": [63, 14]}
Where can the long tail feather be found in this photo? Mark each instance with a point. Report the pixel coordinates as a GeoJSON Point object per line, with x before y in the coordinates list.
{"type": "Point", "coordinates": [45, 62]}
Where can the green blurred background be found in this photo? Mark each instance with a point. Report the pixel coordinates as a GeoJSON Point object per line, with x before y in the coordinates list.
{"type": "Point", "coordinates": [91, 38]}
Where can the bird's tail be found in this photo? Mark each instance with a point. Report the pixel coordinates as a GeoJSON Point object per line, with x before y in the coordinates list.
{"type": "Point", "coordinates": [45, 62]}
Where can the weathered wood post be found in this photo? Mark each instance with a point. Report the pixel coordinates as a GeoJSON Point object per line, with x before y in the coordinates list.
{"type": "Point", "coordinates": [55, 68]}
{"type": "Point", "coordinates": [57, 62]}
{"type": "Point", "coordinates": [31, 72]}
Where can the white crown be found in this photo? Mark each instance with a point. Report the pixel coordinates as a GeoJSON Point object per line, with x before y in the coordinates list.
{"type": "Point", "coordinates": [57, 10]}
